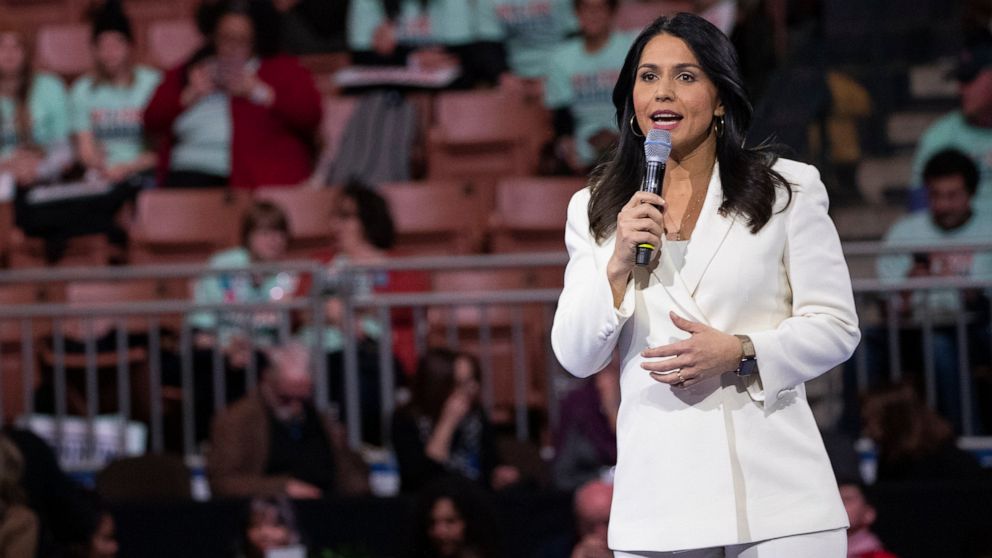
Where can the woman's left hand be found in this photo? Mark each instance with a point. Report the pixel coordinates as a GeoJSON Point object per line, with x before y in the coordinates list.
{"type": "Point", "coordinates": [707, 352]}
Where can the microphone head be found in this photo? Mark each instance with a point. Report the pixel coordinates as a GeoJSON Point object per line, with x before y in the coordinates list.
{"type": "Point", "coordinates": [657, 145]}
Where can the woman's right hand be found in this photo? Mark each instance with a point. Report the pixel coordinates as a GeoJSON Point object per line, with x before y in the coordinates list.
{"type": "Point", "coordinates": [639, 222]}
{"type": "Point", "coordinates": [200, 83]}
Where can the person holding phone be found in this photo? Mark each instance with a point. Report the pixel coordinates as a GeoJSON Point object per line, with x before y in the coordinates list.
{"type": "Point", "coordinates": [238, 113]}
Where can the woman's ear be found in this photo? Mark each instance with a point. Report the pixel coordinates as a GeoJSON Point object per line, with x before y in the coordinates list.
{"type": "Point", "coordinates": [720, 110]}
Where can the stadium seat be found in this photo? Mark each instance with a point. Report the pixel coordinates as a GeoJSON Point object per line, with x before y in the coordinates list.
{"type": "Point", "coordinates": [481, 136]}
{"type": "Point", "coordinates": [64, 49]}
{"type": "Point", "coordinates": [530, 214]}
{"type": "Point", "coordinates": [309, 212]}
{"type": "Point", "coordinates": [29, 252]}
{"type": "Point", "coordinates": [439, 217]}
{"type": "Point", "coordinates": [185, 225]}
{"type": "Point", "coordinates": [172, 41]}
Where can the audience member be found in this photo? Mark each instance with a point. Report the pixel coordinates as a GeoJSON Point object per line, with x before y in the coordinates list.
{"type": "Point", "coordinates": [107, 103]}
{"type": "Point", "coordinates": [237, 335]}
{"type": "Point", "coordinates": [363, 233]}
{"type": "Point", "coordinates": [591, 504]}
{"type": "Point", "coordinates": [270, 528]}
{"type": "Point", "coordinates": [443, 429]}
{"type": "Point", "coordinates": [951, 178]}
{"type": "Point", "coordinates": [531, 30]}
{"type": "Point", "coordinates": [63, 517]}
{"type": "Point", "coordinates": [105, 108]}
{"type": "Point", "coordinates": [18, 524]}
{"type": "Point", "coordinates": [428, 34]}
{"type": "Point", "coordinates": [100, 536]}
{"type": "Point", "coordinates": [34, 122]}
{"type": "Point", "coordinates": [861, 542]}
{"type": "Point", "coordinates": [34, 132]}
{"type": "Point", "coordinates": [579, 89]}
{"type": "Point", "coordinates": [453, 520]}
{"type": "Point", "coordinates": [913, 442]}
{"type": "Point", "coordinates": [968, 128]}
{"type": "Point", "coordinates": [237, 112]}
{"type": "Point", "coordinates": [586, 444]}
{"type": "Point", "coordinates": [274, 441]}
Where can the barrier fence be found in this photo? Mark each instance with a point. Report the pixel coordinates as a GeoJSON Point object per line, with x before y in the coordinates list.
{"type": "Point", "coordinates": [77, 348]}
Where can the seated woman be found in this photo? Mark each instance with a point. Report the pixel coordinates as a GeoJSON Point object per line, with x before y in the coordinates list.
{"type": "Point", "coordinates": [444, 430]}
{"type": "Point", "coordinates": [106, 104]}
{"type": "Point", "coordinates": [363, 233]}
{"type": "Point", "coordinates": [270, 528]}
{"type": "Point", "coordinates": [105, 108]}
{"type": "Point", "coordinates": [237, 113]}
{"type": "Point", "coordinates": [34, 129]}
{"type": "Point", "coordinates": [454, 519]}
{"type": "Point", "coordinates": [236, 335]}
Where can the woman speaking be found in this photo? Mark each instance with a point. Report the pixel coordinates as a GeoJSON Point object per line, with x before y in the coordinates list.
{"type": "Point", "coordinates": [747, 297]}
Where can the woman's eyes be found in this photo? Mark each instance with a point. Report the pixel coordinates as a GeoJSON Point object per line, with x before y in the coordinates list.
{"type": "Point", "coordinates": [682, 76]}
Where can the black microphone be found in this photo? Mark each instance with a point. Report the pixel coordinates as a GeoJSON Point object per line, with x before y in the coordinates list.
{"type": "Point", "coordinates": [657, 148]}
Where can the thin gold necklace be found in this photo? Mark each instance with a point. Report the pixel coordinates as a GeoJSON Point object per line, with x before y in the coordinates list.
{"type": "Point", "coordinates": [694, 201]}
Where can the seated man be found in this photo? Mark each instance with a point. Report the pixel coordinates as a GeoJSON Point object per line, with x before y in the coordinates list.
{"type": "Point", "coordinates": [592, 504]}
{"type": "Point", "coordinates": [951, 180]}
{"type": "Point", "coordinates": [274, 442]}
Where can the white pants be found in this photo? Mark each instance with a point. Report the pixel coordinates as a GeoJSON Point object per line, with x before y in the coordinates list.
{"type": "Point", "coordinates": [823, 544]}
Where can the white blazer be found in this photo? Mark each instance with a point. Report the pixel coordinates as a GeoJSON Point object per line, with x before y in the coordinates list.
{"type": "Point", "coordinates": [726, 461]}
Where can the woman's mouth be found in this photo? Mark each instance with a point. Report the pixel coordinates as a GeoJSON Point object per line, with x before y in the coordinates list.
{"type": "Point", "coordinates": [665, 119]}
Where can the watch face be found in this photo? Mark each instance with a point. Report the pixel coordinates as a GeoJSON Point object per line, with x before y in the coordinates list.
{"type": "Point", "coordinates": [748, 367]}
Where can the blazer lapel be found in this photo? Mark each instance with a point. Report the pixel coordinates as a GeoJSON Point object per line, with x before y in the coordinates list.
{"type": "Point", "coordinates": [709, 234]}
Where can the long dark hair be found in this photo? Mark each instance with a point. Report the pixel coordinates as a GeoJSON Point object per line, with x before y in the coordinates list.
{"type": "Point", "coordinates": [749, 183]}
{"type": "Point", "coordinates": [473, 506]}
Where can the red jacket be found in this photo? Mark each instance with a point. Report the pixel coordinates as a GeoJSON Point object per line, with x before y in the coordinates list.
{"type": "Point", "coordinates": [270, 146]}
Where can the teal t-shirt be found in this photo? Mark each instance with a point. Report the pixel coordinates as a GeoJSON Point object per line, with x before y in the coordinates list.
{"type": "Point", "coordinates": [114, 113]}
{"type": "Point", "coordinates": [584, 81]}
{"type": "Point", "coordinates": [48, 106]}
{"type": "Point", "coordinates": [203, 137]}
{"type": "Point", "coordinates": [952, 131]}
{"type": "Point", "coordinates": [919, 228]}
{"type": "Point", "coordinates": [443, 22]}
{"type": "Point", "coordinates": [241, 287]}
{"type": "Point", "coordinates": [531, 30]}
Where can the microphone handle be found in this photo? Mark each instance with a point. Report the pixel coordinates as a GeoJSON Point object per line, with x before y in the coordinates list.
{"type": "Point", "coordinates": [653, 176]}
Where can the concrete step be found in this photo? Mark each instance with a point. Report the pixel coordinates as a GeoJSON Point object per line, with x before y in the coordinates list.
{"type": "Point", "coordinates": [864, 222]}
{"type": "Point", "coordinates": [905, 128]}
{"type": "Point", "coordinates": [930, 81]}
{"type": "Point", "coordinates": [878, 176]}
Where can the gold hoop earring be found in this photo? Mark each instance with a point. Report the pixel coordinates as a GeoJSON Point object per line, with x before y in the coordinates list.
{"type": "Point", "coordinates": [633, 130]}
{"type": "Point", "coordinates": [718, 126]}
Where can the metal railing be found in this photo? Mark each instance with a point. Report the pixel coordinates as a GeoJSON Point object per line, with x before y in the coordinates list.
{"type": "Point", "coordinates": [435, 314]}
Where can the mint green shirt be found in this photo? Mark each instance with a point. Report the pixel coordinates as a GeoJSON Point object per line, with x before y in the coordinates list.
{"type": "Point", "coordinates": [114, 113]}
{"type": "Point", "coordinates": [952, 131]}
{"type": "Point", "coordinates": [531, 30]}
{"type": "Point", "coordinates": [240, 287]}
{"type": "Point", "coordinates": [203, 137]}
{"type": "Point", "coordinates": [48, 106]}
{"type": "Point", "coordinates": [584, 81]}
{"type": "Point", "coordinates": [443, 22]}
{"type": "Point", "coordinates": [919, 228]}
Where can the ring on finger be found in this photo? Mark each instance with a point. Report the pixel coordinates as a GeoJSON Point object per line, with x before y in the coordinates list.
{"type": "Point", "coordinates": [681, 379]}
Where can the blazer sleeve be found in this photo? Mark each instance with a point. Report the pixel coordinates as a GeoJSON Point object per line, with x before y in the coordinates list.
{"type": "Point", "coordinates": [823, 329]}
{"type": "Point", "coordinates": [233, 465]}
{"type": "Point", "coordinates": [586, 325]}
